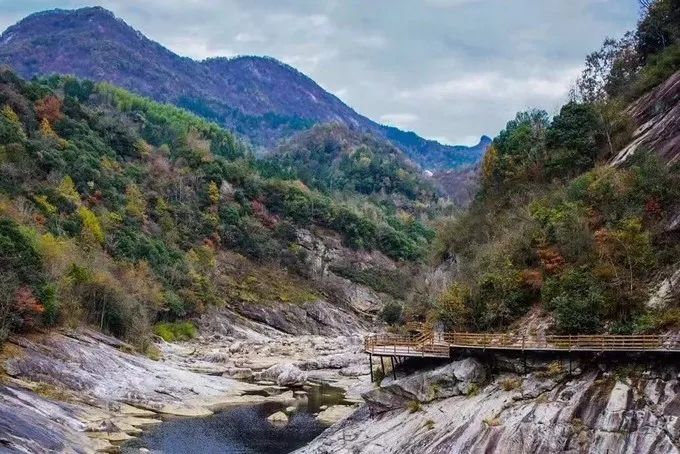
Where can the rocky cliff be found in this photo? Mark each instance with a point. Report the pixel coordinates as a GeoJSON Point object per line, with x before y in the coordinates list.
{"type": "Point", "coordinates": [470, 407]}
{"type": "Point", "coordinates": [656, 117]}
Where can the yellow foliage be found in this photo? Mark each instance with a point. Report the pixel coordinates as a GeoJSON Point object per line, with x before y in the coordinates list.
{"type": "Point", "coordinates": [202, 259]}
{"type": "Point", "coordinates": [136, 204]}
{"type": "Point", "coordinates": [45, 205]}
{"type": "Point", "coordinates": [489, 163]}
{"type": "Point", "coordinates": [46, 129]}
{"type": "Point", "coordinates": [13, 118]}
{"type": "Point", "coordinates": [92, 229]}
{"type": "Point", "coordinates": [110, 220]}
{"type": "Point", "coordinates": [213, 193]}
{"type": "Point", "coordinates": [67, 189]}
{"type": "Point", "coordinates": [143, 148]}
{"type": "Point", "coordinates": [452, 306]}
{"type": "Point", "coordinates": [58, 253]}
{"type": "Point", "coordinates": [140, 283]}
{"type": "Point", "coordinates": [110, 164]}
{"type": "Point", "coordinates": [47, 132]}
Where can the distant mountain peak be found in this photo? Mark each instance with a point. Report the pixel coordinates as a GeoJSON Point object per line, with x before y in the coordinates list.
{"type": "Point", "coordinates": [260, 98]}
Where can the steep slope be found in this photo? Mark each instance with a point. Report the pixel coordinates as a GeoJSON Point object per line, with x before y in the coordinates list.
{"type": "Point", "coordinates": [656, 116]}
{"type": "Point", "coordinates": [260, 98]}
{"type": "Point", "coordinates": [121, 212]}
{"type": "Point", "coordinates": [335, 158]}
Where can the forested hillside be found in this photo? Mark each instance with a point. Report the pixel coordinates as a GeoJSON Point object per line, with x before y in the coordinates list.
{"type": "Point", "coordinates": [558, 230]}
{"type": "Point", "coordinates": [334, 159]}
{"type": "Point", "coordinates": [120, 212]}
{"type": "Point", "coordinates": [259, 98]}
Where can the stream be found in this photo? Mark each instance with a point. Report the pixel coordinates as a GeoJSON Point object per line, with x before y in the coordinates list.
{"type": "Point", "coordinates": [243, 429]}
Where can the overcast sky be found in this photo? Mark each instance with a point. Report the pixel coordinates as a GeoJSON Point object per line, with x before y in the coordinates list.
{"type": "Point", "coordinates": [451, 70]}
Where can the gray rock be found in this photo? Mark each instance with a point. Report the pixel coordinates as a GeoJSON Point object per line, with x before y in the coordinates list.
{"type": "Point", "coordinates": [283, 374]}
{"type": "Point", "coordinates": [235, 347]}
{"type": "Point", "coordinates": [238, 373]}
{"type": "Point", "coordinates": [278, 419]}
{"type": "Point", "coordinates": [453, 379]}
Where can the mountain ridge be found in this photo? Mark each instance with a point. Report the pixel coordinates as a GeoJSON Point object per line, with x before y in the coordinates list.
{"type": "Point", "coordinates": [260, 98]}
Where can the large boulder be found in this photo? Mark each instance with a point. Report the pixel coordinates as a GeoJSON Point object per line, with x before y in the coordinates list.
{"type": "Point", "coordinates": [285, 374]}
{"type": "Point", "coordinates": [278, 419]}
{"type": "Point", "coordinates": [456, 378]}
{"type": "Point", "coordinates": [238, 373]}
{"type": "Point", "coordinates": [334, 413]}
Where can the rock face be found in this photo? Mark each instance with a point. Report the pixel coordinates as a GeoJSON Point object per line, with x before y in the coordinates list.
{"type": "Point", "coordinates": [453, 379]}
{"type": "Point", "coordinates": [317, 317]}
{"type": "Point", "coordinates": [542, 412]}
{"type": "Point", "coordinates": [334, 413]}
{"type": "Point", "coordinates": [283, 374]}
{"type": "Point", "coordinates": [326, 251]}
{"type": "Point", "coordinates": [657, 118]}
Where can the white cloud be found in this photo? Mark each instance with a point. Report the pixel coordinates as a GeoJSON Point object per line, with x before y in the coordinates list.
{"type": "Point", "coordinates": [245, 37]}
{"type": "Point", "coordinates": [400, 120]}
{"type": "Point", "coordinates": [496, 86]}
{"type": "Point", "coordinates": [448, 69]}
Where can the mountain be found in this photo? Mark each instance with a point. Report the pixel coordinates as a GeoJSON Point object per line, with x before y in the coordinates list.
{"type": "Point", "coordinates": [260, 98]}
{"type": "Point", "coordinates": [333, 157]}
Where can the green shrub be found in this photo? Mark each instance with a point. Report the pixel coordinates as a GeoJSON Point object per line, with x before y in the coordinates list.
{"type": "Point", "coordinates": [578, 301]}
{"type": "Point", "coordinates": [414, 406]}
{"type": "Point", "coordinates": [391, 313]}
{"type": "Point", "coordinates": [175, 332]}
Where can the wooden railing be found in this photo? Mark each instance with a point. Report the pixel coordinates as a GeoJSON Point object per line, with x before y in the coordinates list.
{"type": "Point", "coordinates": [398, 345]}
{"type": "Point", "coordinates": [583, 342]}
{"type": "Point", "coordinates": [439, 344]}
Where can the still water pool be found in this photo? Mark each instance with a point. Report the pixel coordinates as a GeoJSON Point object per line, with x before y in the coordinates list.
{"type": "Point", "coordinates": [242, 430]}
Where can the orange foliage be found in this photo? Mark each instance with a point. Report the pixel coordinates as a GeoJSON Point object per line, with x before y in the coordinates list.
{"type": "Point", "coordinates": [551, 259]}
{"type": "Point", "coordinates": [261, 213]}
{"type": "Point", "coordinates": [532, 278]}
{"type": "Point", "coordinates": [28, 306]}
{"type": "Point", "coordinates": [653, 209]}
{"type": "Point", "coordinates": [49, 108]}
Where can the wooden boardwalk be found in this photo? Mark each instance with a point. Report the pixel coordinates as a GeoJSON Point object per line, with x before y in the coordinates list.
{"type": "Point", "coordinates": [440, 345]}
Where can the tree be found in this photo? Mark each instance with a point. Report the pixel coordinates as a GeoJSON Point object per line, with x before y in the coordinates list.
{"type": "Point", "coordinates": [92, 229]}
{"type": "Point", "coordinates": [453, 307]}
{"type": "Point", "coordinates": [659, 26]}
{"type": "Point", "coordinates": [574, 129]}
{"type": "Point", "coordinates": [67, 189]}
{"type": "Point", "coordinates": [489, 163]}
{"type": "Point", "coordinates": [49, 108]}
{"type": "Point", "coordinates": [136, 204]}
{"type": "Point", "coordinates": [11, 128]}
{"type": "Point", "coordinates": [213, 193]}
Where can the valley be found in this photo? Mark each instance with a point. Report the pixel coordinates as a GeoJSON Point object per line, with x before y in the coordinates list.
{"type": "Point", "coordinates": [196, 256]}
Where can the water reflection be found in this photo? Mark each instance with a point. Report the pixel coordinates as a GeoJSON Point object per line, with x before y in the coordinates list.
{"type": "Point", "coordinates": [243, 430]}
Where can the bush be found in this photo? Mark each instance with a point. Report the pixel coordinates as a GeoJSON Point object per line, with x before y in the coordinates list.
{"type": "Point", "coordinates": [414, 406]}
{"type": "Point", "coordinates": [175, 332]}
{"type": "Point", "coordinates": [391, 313]}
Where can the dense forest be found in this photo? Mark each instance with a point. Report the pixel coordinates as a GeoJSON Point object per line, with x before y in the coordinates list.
{"type": "Point", "coordinates": [554, 226]}
{"type": "Point", "coordinates": [120, 212]}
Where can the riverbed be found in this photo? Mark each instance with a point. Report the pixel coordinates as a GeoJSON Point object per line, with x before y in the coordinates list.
{"type": "Point", "coordinates": [243, 429]}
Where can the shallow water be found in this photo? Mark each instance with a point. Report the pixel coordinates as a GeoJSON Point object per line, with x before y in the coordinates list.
{"type": "Point", "coordinates": [243, 429]}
